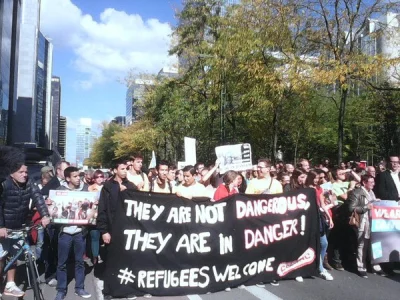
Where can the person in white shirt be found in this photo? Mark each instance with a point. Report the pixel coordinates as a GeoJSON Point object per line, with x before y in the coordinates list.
{"type": "Point", "coordinates": [190, 188]}
{"type": "Point", "coordinates": [136, 175]}
{"type": "Point", "coordinates": [161, 184]}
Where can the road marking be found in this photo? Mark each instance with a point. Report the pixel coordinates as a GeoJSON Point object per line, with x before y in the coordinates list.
{"type": "Point", "coordinates": [261, 293]}
{"type": "Point", "coordinates": [194, 297]}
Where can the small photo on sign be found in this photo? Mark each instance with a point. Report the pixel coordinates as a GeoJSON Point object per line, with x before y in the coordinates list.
{"type": "Point", "coordinates": [75, 208]}
{"type": "Point", "coordinates": [377, 250]}
{"type": "Point", "coordinates": [234, 157]}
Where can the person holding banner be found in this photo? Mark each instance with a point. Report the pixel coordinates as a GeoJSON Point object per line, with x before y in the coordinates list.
{"type": "Point", "coordinates": [312, 181]}
{"type": "Point", "coordinates": [228, 187]}
{"type": "Point", "coordinates": [161, 184]}
{"type": "Point", "coordinates": [190, 188]}
{"type": "Point", "coordinates": [361, 202]}
{"type": "Point", "coordinates": [297, 181]}
{"type": "Point", "coordinates": [136, 175]}
{"type": "Point", "coordinates": [108, 200]}
{"type": "Point", "coordinates": [264, 183]}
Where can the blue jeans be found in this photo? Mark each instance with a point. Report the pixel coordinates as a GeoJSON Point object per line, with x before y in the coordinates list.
{"type": "Point", "coordinates": [95, 242]}
{"type": "Point", "coordinates": [324, 246]}
{"type": "Point", "coordinates": [65, 242]}
{"type": "Point", "coordinates": [39, 243]}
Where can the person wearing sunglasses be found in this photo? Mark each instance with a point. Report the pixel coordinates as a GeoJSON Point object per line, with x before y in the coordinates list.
{"type": "Point", "coordinates": [98, 181]}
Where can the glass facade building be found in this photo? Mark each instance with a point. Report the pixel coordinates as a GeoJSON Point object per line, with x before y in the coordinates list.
{"type": "Point", "coordinates": [55, 110]}
{"type": "Point", "coordinates": [135, 92]}
{"type": "Point", "coordinates": [10, 20]}
{"type": "Point", "coordinates": [62, 136]}
{"type": "Point", "coordinates": [84, 140]}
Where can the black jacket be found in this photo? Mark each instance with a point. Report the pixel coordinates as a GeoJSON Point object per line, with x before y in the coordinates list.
{"type": "Point", "coordinates": [53, 184]}
{"type": "Point", "coordinates": [14, 203]}
{"type": "Point", "coordinates": [385, 188]}
{"type": "Point", "coordinates": [109, 196]}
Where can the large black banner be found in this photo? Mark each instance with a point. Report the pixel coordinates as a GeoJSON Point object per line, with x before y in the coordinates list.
{"type": "Point", "coordinates": [168, 246]}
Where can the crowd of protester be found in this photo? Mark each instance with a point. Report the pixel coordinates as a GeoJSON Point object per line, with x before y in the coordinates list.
{"type": "Point", "coordinates": [341, 190]}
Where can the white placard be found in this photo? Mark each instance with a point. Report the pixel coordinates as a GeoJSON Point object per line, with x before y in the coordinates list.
{"type": "Point", "coordinates": [234, 157]}
{"type": "Point", "coordinates": [190, 151]}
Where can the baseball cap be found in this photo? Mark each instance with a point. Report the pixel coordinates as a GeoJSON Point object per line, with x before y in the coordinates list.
{"type": "Point", "coordinates": [47, 169]}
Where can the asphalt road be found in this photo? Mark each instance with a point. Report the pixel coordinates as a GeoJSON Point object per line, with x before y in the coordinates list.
{"type": "Point", "coordinates": [345, 286]}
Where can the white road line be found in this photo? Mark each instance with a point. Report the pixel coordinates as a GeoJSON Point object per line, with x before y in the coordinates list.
{"type": "Point", "coordinates": [261, 293]}
{"type": "Point", "coordinates": [194, 297]}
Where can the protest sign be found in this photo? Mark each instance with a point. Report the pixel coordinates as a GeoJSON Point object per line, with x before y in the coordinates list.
{"type": "Point", "coordinates": [385, 232]}
{"type": "Point", "coordinates": [73, 207]}
{"type": "Point", "coordinates": [190, 151]}
{"type": "Point", "coordinates": [164, 245]}
{"type": "Point", "coordinates": [234, 157]}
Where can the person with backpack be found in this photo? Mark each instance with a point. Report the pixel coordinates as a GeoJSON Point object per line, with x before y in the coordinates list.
{"type": "Point", "coordinates": [135, 173]}
{"type": "Point", "coordinates": [161, 184]}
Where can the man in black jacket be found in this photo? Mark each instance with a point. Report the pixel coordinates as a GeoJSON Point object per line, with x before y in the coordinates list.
{"type": "Point", "coordinates": [109, 198]}
{"type": "Point", "coordinates": [388, 188]}
{"type": "Point", "coordinates": [388, 182]}
{"type": "Point", "coordinates": [57, 180]}
{"type": "Point", "coordinates": [16, 192]}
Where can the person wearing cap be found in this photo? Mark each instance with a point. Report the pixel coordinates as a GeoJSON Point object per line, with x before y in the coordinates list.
{"type": "Point", "coordinates": [47, 174]}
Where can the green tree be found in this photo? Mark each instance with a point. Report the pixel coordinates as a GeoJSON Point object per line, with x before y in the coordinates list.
{"type": "Point", "coordinates": [103, 151]}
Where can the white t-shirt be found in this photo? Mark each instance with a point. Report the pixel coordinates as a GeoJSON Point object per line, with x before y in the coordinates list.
{"type": "Point", "coordinates": [138, 179]}
{"type": "Point", "coordinates": [195, 190]}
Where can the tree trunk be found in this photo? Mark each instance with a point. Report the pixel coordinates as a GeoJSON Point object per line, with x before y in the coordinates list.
{"type": "Point", "coordinates": [342, 111]}
{"type": "Point", "coordinates": [275, 127]}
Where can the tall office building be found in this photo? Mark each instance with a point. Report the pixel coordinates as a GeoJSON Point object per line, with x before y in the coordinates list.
{"type": "Point", "coordinates": [55, 110]}
{"type": "Point", "coordinates": [62, 136]}
{"type": "Point", "coordinates": [10, 21]}
{"type": "Point", "coordinates": [135, 92]}
{"type": "Point", "coordinates": [34, 75]}
{"type": "Point", "coordinates": [84, 140]}
{"type": "Point", "coordinates": [43, 92]}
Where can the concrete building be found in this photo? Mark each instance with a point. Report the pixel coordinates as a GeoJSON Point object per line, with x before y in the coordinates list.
{"type": "Point", "coordinates": [382, 37]}
{"type": "Point", "coordinates": [135, 93]}
{"type": "Point", "coordinates": [84, 140]}
{"type": "Point", "coordinates": [62, 136]}
{"type": "Point", "coordinates": [34, 80]}
{"type": "Point", "coordinates": [168, 72]}
{"type": "Point", "coordinates": [55, 111]}
{"type": "Point", "coordinates": [10, 22]}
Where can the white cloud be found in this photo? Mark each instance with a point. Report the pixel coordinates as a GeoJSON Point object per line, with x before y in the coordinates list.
{"type": "Point", "coordinates": [106, 49]}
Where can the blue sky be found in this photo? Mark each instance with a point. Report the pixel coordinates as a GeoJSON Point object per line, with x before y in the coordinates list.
{"type": "Point", "coordinates": [96, 44]}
